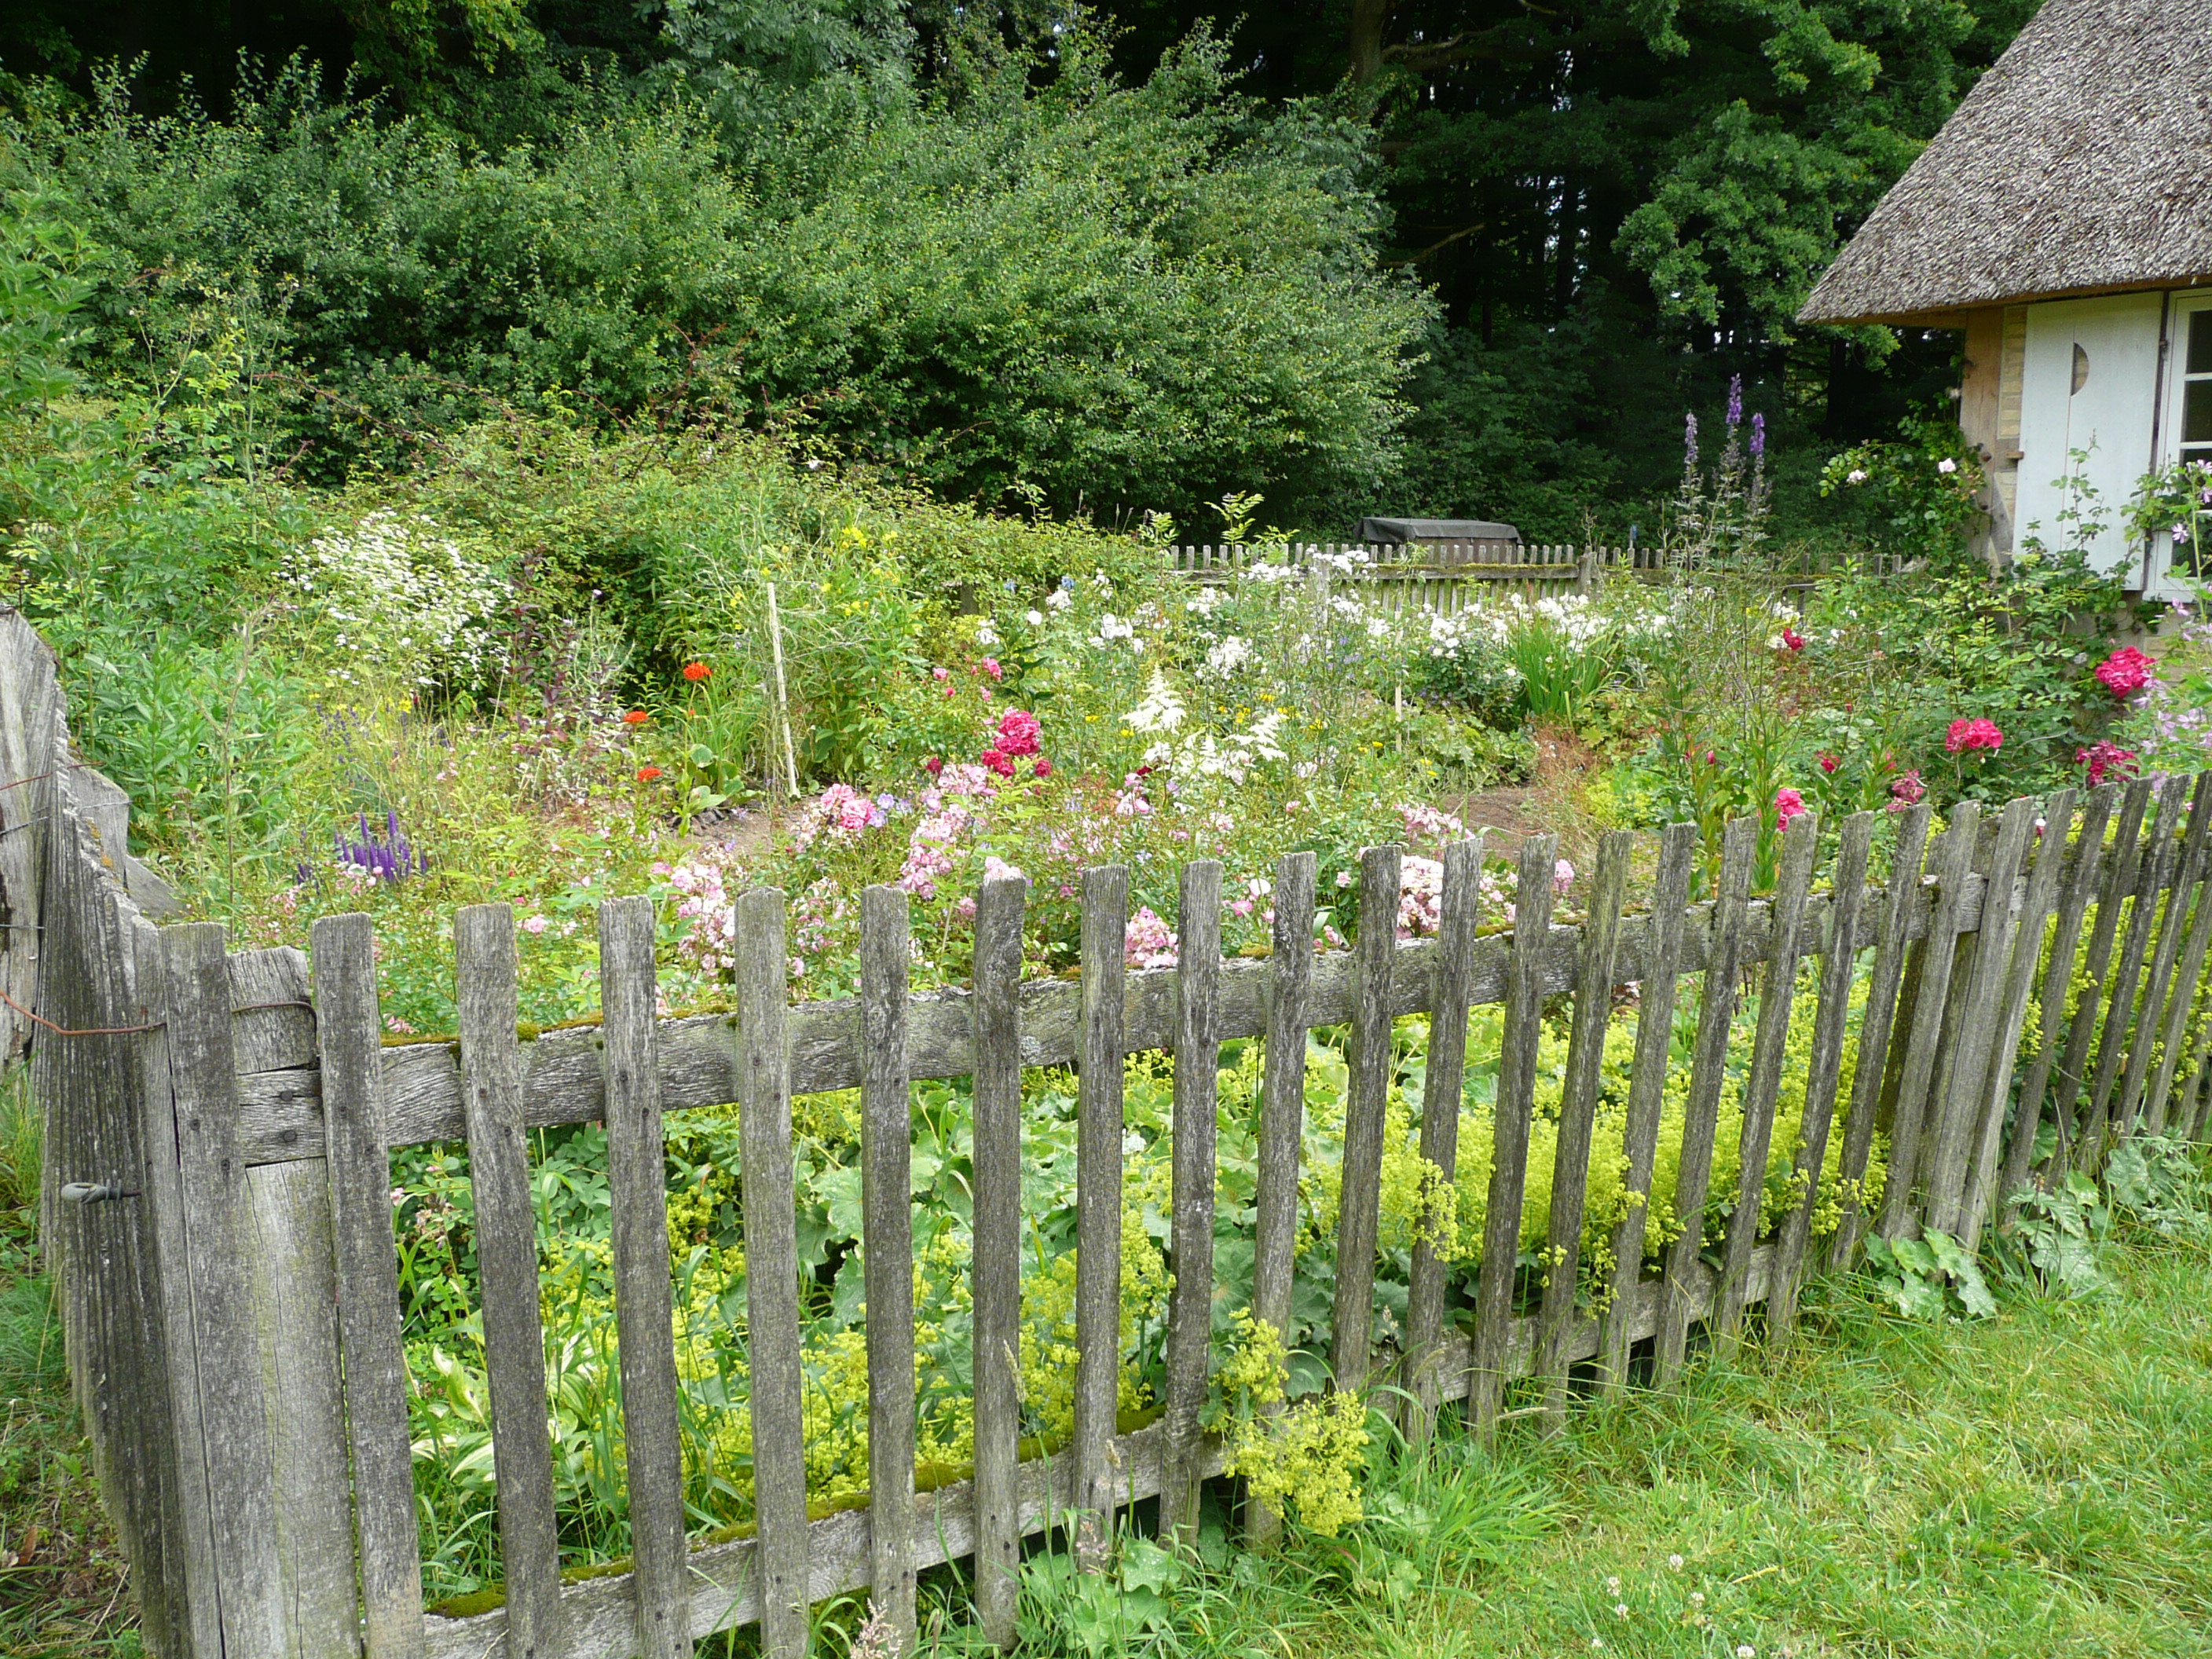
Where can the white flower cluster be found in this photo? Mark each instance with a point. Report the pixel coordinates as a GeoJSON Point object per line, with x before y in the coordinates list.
{"type": "Point", "coordinates": [399, 601]}
{"type": "Point", "coordinates": [1202, 755]}
{"type": "Point", "coordinates": [1225, 659]}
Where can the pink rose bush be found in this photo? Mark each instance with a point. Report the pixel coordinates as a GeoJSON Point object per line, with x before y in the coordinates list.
{"type": "Point", "coordinates": [2125, 673]}
{"type": "Point", "coordinates": [1966, 737]}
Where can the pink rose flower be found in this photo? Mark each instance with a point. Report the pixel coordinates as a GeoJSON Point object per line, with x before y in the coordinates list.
{"type": "Point", "coordinates": [1018, 733]}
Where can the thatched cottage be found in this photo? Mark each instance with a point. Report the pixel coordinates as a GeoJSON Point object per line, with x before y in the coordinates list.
{"type": "Point", "coordinates": [2063, 219]}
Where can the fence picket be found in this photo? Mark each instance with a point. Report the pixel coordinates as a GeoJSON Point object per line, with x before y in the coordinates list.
{"type": "Point", "coordinates": [637, 1196]}
{"type": "Point", "coordinates": [1360, 1204]}
{"type": "Point", "coordinates": [1197, 1082]}
{"type": "Point", "coordinates": [506, 1266]}
{"type": "Point", "coordinates": [2178, 886]}
{"type": "Point", "coordinates": [1509, 1165]}
{"type": "Point", "coordinates": [1099, 1128]}
{"type": "Point", "coordinates": [2188, 986]}
{"type": "Point", "coordinates": [1716, 1011]}
{"type": "Point", "coordinates": [887, 1254]}
{"type": "Point", "coordinates": [1647, 1088]}
{"type": "Point", "coordinates": [1442, 1086]}
{"type": "Point", "coordinates": [1600, 953]}
{"type": "Point", "coordinates": [771, 1216]}
{"type": "Point", "coordinates": [2156, 863]}
{"type": "Point", "coordinates": [1282, 1121]}
{"type": "Point", "coordinates": [1823, 1070]}
{"type": "Point", "coordinates": [2119, 880]}
{"type": "Point", "coordinates": [996, 1275]}
{"type": "Point", "coordinates": [1801, 846]}
{"type": "Point", "coordinates": [1935, 1009]}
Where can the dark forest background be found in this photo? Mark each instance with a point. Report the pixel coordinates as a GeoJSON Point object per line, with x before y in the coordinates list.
{"type": "Point", "coordinates": [1454, 256]}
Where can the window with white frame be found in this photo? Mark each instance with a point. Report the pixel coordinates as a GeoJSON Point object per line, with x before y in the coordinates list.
{"type": "Point", "coordinates": [2196, 426]}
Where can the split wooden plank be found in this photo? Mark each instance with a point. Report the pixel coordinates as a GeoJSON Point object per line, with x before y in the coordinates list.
{"type": "Point", "coordinates": [996, 1274]}
{"type": "Point", "coordinates": [1601, 932]}
{"type": "Point", "coordinates": [506, 1265]}
{"type": "Point", "coordinates": [1955, 1120]}
{"type": "Point", "coordinates": [1823, 1072]}
{"type": "Point", "coordinates": [216, 1208]}
{"type": "Point", "coordinates": [1443, 1086]}
{"type": "Point", "coordinates": [2157, 862]}
{"type": "Point", "coordinates": [2121, 869]}
{"type": "Point", "coordinates": [1197, 1084]}
{"type": "Point", "coordinates": [2180, 887]}
{"type": "Point", "coordinates": [1359, 1204]}
{"type": "Point", "coordinates": [1508, 1168]}
{"type": "Point", "coordinates": [2079, 882]}
{"type": "Point", "coordinates": [777, 1380]}
{"type": "Point", "coordinates": [349, 1034]}
{"type": "Point", "coordinates": [645, 1313]}
{"type": "Point", "coordinates": [1932, 1010]}
{"type": "Point", "coordinates": [1099, 1128]}
{"type": "Point", "coordinates": [1647, 1091]}
{"type": "Point", "coordinates": [1801, 846]}
{"type": "Point", "coordinates": [2188, 987]}
{"type": "Point", "coordinates": [1282, 1123]}
{"type": "Point", "coordinates": [1708, 1069]}
{"type": "Point", "coordinates": [2041, 892]}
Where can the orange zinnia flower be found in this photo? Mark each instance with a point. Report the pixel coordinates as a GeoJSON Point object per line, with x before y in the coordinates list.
{"type": "Point", "coordinates": [647, 774]}
{"type": "Point", "coordinates": [696, 671]}
{"type": "Point", "coordinates": [636, 717]}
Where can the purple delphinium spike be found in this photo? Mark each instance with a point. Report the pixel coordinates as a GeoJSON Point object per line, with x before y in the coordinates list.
{"type": "Point", "coordinates": [1735, 400]}
{"type": "Point", "coordinates": [1690, 441]}
{"type": "Point", "coordinates": [1759, 434]}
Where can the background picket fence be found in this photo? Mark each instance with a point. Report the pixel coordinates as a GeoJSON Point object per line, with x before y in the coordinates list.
{"type": "Point", "coordinates": [219, 1126]}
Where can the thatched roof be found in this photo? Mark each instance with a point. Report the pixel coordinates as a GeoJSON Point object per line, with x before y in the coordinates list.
{"type": "Point", "coordinates": [2081, 163]}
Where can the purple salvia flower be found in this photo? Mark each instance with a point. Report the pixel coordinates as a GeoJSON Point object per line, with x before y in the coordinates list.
{"type": "Point", "coordinates": [1759, 434]}
{"type": "Point", "coordinates": [1735, 400]}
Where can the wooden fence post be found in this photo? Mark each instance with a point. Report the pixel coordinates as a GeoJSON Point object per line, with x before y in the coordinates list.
{"type": "Point", "coordinates": [2157, 862]}
{"type": "Point", "coordinates": [2120, 871]}
{"type": "Point", "coordinates": [1924, 1041]}
{"type": "Point", "coordinates": [1190, 1308]}
{"type": "Point", "coordinates": [887, 1250]}
{"type": "Point", "coordinates": [996, 1276]}
{"type": "Point", "coordinates": [1099, 1128]}
{"type": "Point", "coordinates": [1358, 1215]}
{"type": "Point", "coordinates": [2181, 883]}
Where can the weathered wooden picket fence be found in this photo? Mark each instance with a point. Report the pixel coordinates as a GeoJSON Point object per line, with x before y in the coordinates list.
{"type": "Point", "coordinates": [225, 1122]}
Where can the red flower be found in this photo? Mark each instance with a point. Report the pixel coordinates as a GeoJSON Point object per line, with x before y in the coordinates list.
{"type": "Point", "coordinates": [991, 667]}
{"type": "Point", "coordinates": [1788, 805]}
{"type": "Point", "coordinates": [2105, 756]}
{"type": "Point", "coordinates": [934, 765]}
{"type": "Point", "coordinates": [1793, 639]}
{"type": "Point", "coordinates": [1018, 733]}
{"type": "Point", "coordinates": [647, 774]}
{"type": "Point", "coordinates": [1965, 736]}
{"type": "Point", "coordinates": [999, 761]}
{"type": "Point", "coordinates": [1829, 763]}
{"type": "Point", "coordinates": [1906, 791]}
{"type": "Point", "coordinates": [2125, 672]}
{"type": "Point", "coordinates": [696, 671]}
{"type": "Point", "coordinates": [636, 717]}
{"type": "Point", "coordinates": [1711, 759]}
{"type": "Point", "coordinates": [1044, 767]}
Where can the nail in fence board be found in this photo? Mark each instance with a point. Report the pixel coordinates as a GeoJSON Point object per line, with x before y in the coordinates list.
{"type": "Point", "coordinates": [1577, 1112]}
{"type": "Point", "coordinates": [1647, 1089]}
{"type": "Point", "coordinates": [1190, 1306]}
{"type": "Point", "coordinates": [349, 1033]}
{"type": "Point", "coordinates": [1099, 1128]}
{"type": "Point", "coordinates": [887, 1252]}
{"type": "Point", "coordinates": [2080, 882]}
{"type": "Point", "coordinates": [1444, 1084]}
{"type": "Point", "coordinates": [1360, 1201]}
{"type": "Point", "coordinates": [637, 1195]}
{"type": "Point", "coordinates": [1924, 1037]}
{"type": "Point", "coordinates": [216, 1207]}
{"type": "Point", "coordinates": [1282, 1120]}
{"type": "Point", "coordinates": [772, 1274]}
{"type": "Point", "coordinates": [2119, 879]}
{"type": "Point", "coordinates": [996, 1274]}
{"type": "Point", "coordinates": [1823, 1070]}
{"type": "Point", "coordinates": [2178, 883]}
{"type": "Point", "coordinates": [506, 1265]}
{"type": "Point", "coordinates": [1800, 844]}
{"type": "Point", "coordinates": [2155, 862]}
{"type": "Point", "coordinates": [1708, 1066]}
{"type": "Point", "coordinates": [1508, 1168]}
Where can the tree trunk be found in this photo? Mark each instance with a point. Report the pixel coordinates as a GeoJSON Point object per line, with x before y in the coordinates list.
{"type": "Point", "coordinates": [1370, 18]}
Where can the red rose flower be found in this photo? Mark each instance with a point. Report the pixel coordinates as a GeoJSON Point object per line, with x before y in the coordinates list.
{"type": "Point", "coordinates": [1018, 733]}
{"type": "Point", "coordinates": [1829, 763]}
{"type": "Point", "coordinates": [999, 761]}
{"type": "Point", "coordinates": [1793, 639]}
{"type": "Point", "coordinates": [1044, 767]}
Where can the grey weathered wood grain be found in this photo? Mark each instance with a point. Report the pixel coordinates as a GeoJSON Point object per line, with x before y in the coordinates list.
{"type": "Point", "coordinates": [1282, 1121]}
{"type": "Point", "coordinates": [2077, 886]}
{"type": "Point", "coordinates": [1601, 930]}
{"type": "Point", "coordinates": [1508, 1168]}
{"type": "Point", "coordinates": [348, 1031]}
{"type": "Point", "coordinates": [218, 1227]}
{"type": "Point", "coordinates": [995, 1356]}
{"type": "Point", "coordinates": [1190, 1305]}
{"type": "Point", "coordinates": [2188, 988]}
{"type": "Point", "coordinates": [1647, 1090]}
{"type": "Point", "coordinates": [774, 1345]}
{"type": "Point", "coordinates": [2041, 892]}
{"type": "Point", "coordinates": [2157, 863]}
{"type": "Point", "coordinates": [1800, 844]}
{"type": "Point", "coordinates": [1442, 1087]}
{"type": "Point", "coordinates": [1823, 1072]}
{"type": "Point", "coordinates": [1701, 1115]}
{"type": "Point", "coordinates": [507, 1269]}
{"type": "Point", "coordinates": [645, 1314]}
{"type": "Point", "coordinates": [887, 1250]}
{"type": "Point", "coordinates": [599, 1610]}
{"type": "Point", "coordinates": [2122, 868]}
{"type": "Point", "coordinates": [1925, 1039]}
{"type": "Point", "coordinates": [272, 1027]}
{"type": "Point", "coordinates": [1099, 1128]}
{"type": "Point", "coordinates": [1955, 1120]}
{"type": "Point", "coordinates": [2180, 885]}
{"type": "Point", "coordinates": [1359, 1202]}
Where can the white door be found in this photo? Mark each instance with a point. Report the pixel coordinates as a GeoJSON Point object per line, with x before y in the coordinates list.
{"type": "Point", "coordinates": [2088, 382]}
{"type": "Point", "coordinates": [2186, 430]}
